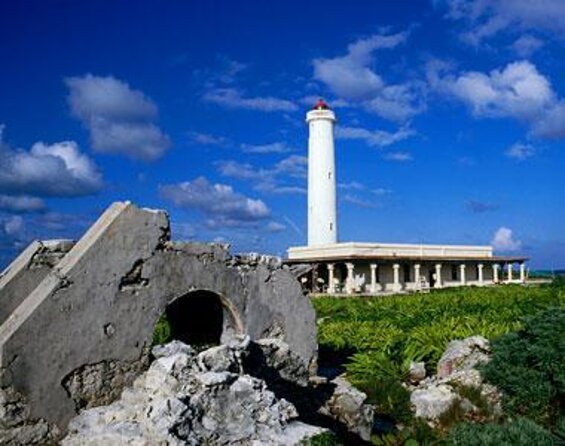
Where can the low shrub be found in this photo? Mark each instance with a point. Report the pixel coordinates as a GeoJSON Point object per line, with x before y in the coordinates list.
{"type": "Point", "coordinates": [518, 432]}
{"type": "Point", "coordinates": [528, 367]}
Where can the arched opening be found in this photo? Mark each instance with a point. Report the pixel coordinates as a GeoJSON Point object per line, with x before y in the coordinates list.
{"type": "Point", "coordinates": [198, 318]}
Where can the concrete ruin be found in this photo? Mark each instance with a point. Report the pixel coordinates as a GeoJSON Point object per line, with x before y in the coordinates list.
{"type": "Point", "coordinates": [77, 319]}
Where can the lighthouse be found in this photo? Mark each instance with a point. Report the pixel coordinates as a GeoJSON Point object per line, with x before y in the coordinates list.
{"type": "Point", "coordinates": [322, 214]}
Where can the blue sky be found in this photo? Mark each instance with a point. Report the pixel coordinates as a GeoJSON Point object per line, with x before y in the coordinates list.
{"type": "Point", "coordinates": [451, 119]}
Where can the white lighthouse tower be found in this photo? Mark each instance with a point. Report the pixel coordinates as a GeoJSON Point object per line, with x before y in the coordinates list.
{"type": "Point", "coordinates": [322, 214]}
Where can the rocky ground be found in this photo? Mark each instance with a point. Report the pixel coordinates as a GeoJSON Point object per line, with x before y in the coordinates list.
{"type": "Point", "coordinates": [457, 387]}
{"type": "Point", "coordinates": [220, 396]}
{"type": "Point", "coordinates": [254, 393]}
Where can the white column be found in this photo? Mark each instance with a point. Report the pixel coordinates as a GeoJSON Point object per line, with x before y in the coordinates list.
{"type": "Point", "coordinates": [438, 276]}
{"type": "Point", "coordinates": [480, 271]}
{"type": "Point", "coordinates": [373, 288]}
{"type": "Point", "coordinates": [417, 276]}
{"type": "Point", "coordinates": [463, 278]}
{"type": "Point", "coordinates": [396, 275]}
{"type": "Point", "coordinates": [495, 272]}
{"type": "Point", "coordinates": [509, 268]}
{"type": "Point", "coordinates": [522, 272]}
{"type": "Point", "coordinates": [331, 282]}
{"type": "Point", "coordinates": [350, 281]}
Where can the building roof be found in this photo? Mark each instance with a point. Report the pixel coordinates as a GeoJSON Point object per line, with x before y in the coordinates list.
{"type": "Point", "coordinates": [435, 259]}
{"type": "Point", "coordinates": [388, 252]}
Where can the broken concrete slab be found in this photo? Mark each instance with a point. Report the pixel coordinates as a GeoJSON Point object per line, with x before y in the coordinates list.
{"type": "Point", "coordinates": [93, 315]}
{"type": "Point", "coordinates": [26, 272]}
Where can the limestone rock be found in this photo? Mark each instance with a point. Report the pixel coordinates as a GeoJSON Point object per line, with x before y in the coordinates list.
{"type": "Point", "coordinates": [347, 405]}
{"type": "Point", "coordinates": [433, 396]}
{"type": "Point", "coordinates": [272, 360]}
{"type": "Point", "coordinates": [463, 355]}
{"type": "Point", "coordinates": [188, 399]}
{"type": "Point", "coordinates": [431, 402]}
{"type": "Point", "coordinates": [417, 371]}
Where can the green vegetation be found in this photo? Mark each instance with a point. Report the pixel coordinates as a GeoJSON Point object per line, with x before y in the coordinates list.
{"type": "Point", "coordinates": [377, 337]}
{"type": "Point", "coordinates": [163, 332]}
{"type": "Point", "coordinates": [385, 333]}
{"type": "Point", "coordinates": [529, 368]}
{"type": "Point", "coordinates": [325, 439]}
{"type": "Point", "coordinates": [519, 432]}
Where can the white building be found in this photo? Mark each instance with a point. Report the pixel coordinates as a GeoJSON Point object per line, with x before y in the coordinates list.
{"type": "Point", "coordinates": [350, 268]}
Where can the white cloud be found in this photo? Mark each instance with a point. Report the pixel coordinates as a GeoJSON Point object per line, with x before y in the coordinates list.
{"type": "Point", "coordinates": [59, 169]}
{"type": "Point", "coordinates": [358, 201]}
{"type": "Point", "coordinates": [274, 226]}
{"type": "Point", "coordinates": [381, 191]}
{"type": "Point", "coordinates": [120, 119]}
{"type": "Point", "coordinates": [207, 139]}
{"type": "Point", "coordinates": [516, 91]}
{"type": "Point", "coordinates": [349, 76]}
{"type": "Point", "coordinates": [353, 79]}
{"type": "Point", "coordinates": [13, 225]}
{"type": "Point", "coordinates": [269, 180]}
{"type": "Point", "coordinates": [486, 18]}
{"type": "Point", "coordinates": [276, 147]}
{"type": "Point", "coordinates": [233, 98]}
{"type": "Point", "coordinates": [520, 151]}
{"type": "Point", "coordinates": [526, 45]}
{"type": "Point", "coordinates": [374, 138]}
{"type": "Point", "coordinates": [352, 185]}
{"type": "Point", "coordinates": [400, 157]}
{"type": "Point", "coordinates": [551, 124]}
{"type": "Point", "coordinates": [21, 203]}
{"type": "Point", "coordinates": [503, 240]}
{"type": "Point", "coordinates": [222, 206]}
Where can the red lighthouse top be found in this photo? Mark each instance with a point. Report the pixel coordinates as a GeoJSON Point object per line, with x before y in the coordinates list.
{"type": "Point", "coordinates": [321, 105]}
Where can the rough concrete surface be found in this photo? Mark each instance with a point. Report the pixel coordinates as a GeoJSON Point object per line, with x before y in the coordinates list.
{"type": "Point", "coordinates": [92, 314]}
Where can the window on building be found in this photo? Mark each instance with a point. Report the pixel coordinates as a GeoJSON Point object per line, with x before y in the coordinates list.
{"type": "Point", "coordinates": [329, 175]}
{"type": "Point", "coordinates": [406, 268]}
{"type": "Point", "coordinates": [331, 226]}
{"type": "Point", "coordinates": [454, 275]}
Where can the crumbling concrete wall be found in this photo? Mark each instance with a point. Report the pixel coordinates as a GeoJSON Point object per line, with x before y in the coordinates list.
{"type": "Point", "coordinates": [26, 272]}
{"type": "Point", "coordinates": [85, 330]}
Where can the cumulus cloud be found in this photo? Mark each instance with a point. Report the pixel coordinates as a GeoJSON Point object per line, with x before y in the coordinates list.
{"type": "Point", "coordinates": [120, 119]}
{"type": "Point", "coordinates": [520, 151]}
{"type": "Point", "coordinates": [487, 18]}
{"type": "Point", "coordinates": [516, 91]}
{"type": "Point", "coordinates": [503, 240]}
{"type": "Point", "coordinates": [551, 124]}
{"type": "Point", "coordinates": [58, 169]}
{"type": "Point", "coordinates": [374, 138]}
{"type": "Point", "coordinates": [21, 203]}
{"type": "Point", "coordinates": [274, 179]}
{"type": "Point", "coordinates": [233, 98]}
{"type": "Point", "coordinates": [221, 205]}
{"type": "Point", "coordinates": [352, 78]}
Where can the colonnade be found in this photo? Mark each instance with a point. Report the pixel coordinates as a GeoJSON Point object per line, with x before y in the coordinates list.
{"type": "Point", "coordinates": [375, 286]}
